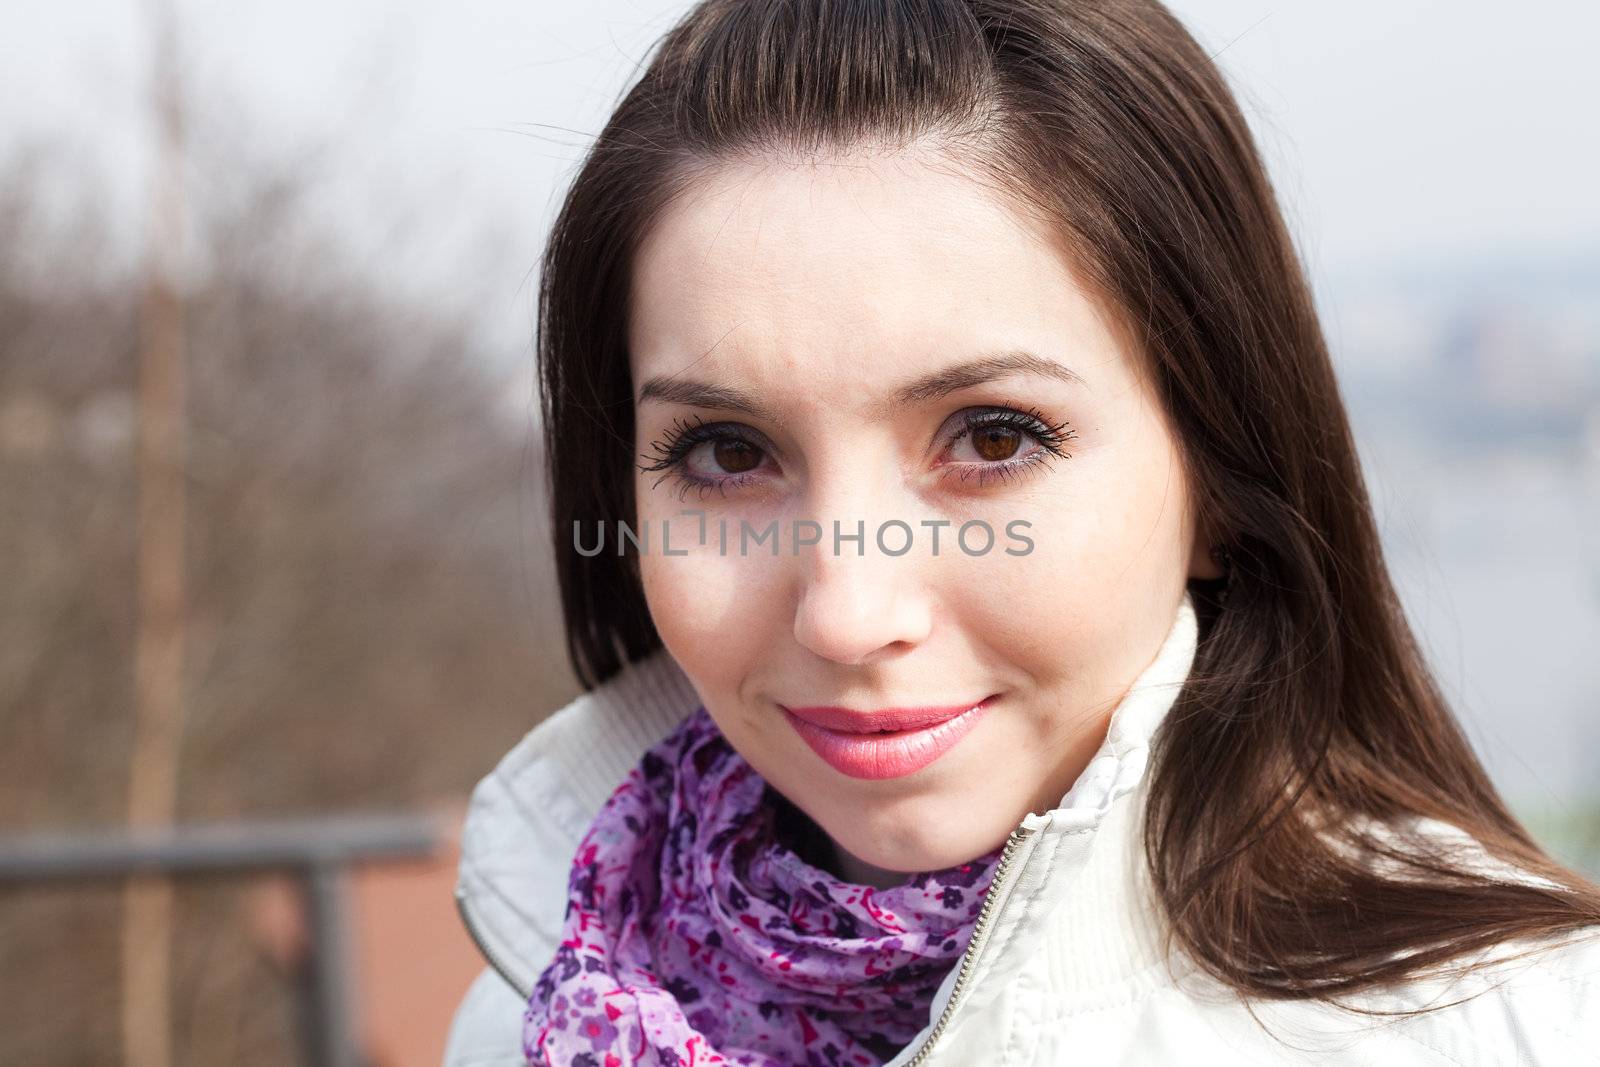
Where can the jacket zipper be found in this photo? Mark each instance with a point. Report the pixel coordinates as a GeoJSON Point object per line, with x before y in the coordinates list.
{"type": "Point", "coordinates": [980, 935]}
{"type": "Point", "coordinates": [494, 960]}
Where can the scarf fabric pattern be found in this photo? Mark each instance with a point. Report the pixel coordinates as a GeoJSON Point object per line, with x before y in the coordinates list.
{"type": "Point", "coordinates": [694, 936]}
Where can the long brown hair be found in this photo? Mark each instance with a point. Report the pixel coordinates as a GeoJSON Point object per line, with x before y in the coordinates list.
{"type": "Point", "coordinates": [1311, 717]}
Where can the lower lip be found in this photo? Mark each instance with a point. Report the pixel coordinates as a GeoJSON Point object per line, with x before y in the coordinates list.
{"type": "Point", "coordinates": [887, 755]}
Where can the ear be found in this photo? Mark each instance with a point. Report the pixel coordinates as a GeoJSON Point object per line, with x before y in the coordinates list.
{"type": "Point", "coordinates": [1201, 563]}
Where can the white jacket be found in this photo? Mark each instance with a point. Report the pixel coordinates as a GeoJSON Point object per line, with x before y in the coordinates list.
{"type": "Point", "coordinates": [1063, 965]}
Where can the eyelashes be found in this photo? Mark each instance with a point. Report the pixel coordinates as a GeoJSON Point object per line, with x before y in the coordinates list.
{"type": "Point", "coordinates": [682, 438]}
{"type": "Point", "coordinates": [987, 426]}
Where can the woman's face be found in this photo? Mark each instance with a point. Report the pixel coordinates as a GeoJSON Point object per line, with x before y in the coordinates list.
{"type": "Point", "coordinates": [787, 309]}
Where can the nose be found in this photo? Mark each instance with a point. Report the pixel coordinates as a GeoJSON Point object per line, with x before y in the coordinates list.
{"type": "Point", "coordinates": [857, 608]}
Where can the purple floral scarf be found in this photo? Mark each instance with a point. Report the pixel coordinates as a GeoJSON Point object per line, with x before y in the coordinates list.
{"type": "Point", "coordinates": [694, 936]}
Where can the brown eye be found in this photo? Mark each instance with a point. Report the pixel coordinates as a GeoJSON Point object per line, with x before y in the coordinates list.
{"type": "Point", "coordinates": [995, 435]}
{"type": "Point", "coordinates": [996, 443]}
{"type": "Point", "coordinates": [735, 456]}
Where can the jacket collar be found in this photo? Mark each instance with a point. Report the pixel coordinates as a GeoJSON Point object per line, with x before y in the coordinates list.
{"type": "Point", "coordinates": [1070, 890]}
{"type": "Point", "coordinates": [1079, 907]}
{"type": "Point", "coordinates": [525, 818]}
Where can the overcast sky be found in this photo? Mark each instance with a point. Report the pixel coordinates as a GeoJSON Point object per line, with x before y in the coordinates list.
{"type": "Point", "coordinates": [1394, 128]}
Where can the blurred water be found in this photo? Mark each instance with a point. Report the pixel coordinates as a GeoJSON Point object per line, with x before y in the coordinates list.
{"type": "Point", "coordinates": [1498, 564]}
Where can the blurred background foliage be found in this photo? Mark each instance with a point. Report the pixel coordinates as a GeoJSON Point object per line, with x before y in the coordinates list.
{"type": "Point", "coordinates": [368, 628]}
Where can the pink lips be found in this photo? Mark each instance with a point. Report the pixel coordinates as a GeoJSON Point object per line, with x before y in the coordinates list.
{"type": "Point", "coordinates": [851, 743]}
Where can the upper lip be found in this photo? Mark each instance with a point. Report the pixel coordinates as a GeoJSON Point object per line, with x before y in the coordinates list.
{"type": "Point", "coordinates": [853, 721]}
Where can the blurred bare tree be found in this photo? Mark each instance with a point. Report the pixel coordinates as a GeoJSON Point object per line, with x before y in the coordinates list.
{"type": "Point", "coordinates": [370, 621]}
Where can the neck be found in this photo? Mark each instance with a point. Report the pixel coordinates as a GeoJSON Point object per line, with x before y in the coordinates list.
{"type": "Point", "coordinates": [860, 872]}
{"type": "Point", "coordinates": [799, 833]}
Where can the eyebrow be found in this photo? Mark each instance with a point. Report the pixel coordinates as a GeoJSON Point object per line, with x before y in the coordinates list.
{"type": "Point", "coordinates": [939, 383]}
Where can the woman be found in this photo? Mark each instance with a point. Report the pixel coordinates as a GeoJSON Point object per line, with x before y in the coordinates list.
{"type": "Point", "coordinates": [1167, 778]}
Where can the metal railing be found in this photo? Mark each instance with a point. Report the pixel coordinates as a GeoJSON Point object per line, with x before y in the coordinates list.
{"type": "Point", "coordinates": [314, 850]}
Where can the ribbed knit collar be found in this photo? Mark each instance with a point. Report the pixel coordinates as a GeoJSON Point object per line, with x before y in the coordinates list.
{"type": "Point", "coordinates": [1076, 892]}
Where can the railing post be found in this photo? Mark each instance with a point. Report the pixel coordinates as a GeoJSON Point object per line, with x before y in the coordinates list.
{"type": "Point", "coordinates": [328, 1011]}
{"type": "Point", "coordinates": [318, 851]}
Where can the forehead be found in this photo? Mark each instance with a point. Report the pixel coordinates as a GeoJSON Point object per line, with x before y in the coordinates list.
{"type": "Point", "coordinates": [850, 267]}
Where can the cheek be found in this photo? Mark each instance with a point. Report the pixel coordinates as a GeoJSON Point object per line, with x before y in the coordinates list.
{"type": "Point", "coordinates": [716, 614]}
{"type": "Point", "coordinates": [1117, 529]}
{"type": "Point", "coordinates": [1108, 553]}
